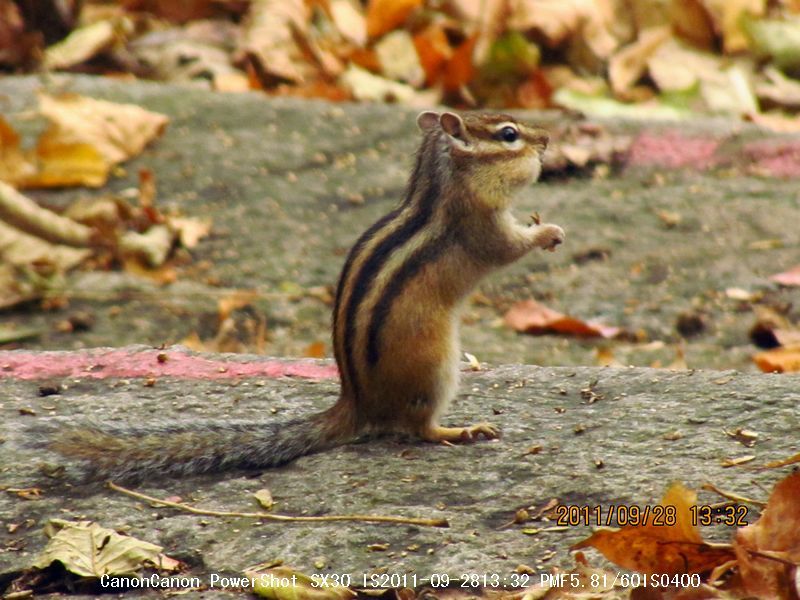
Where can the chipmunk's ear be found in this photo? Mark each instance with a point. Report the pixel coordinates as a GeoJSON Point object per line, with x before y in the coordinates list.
{"type": "Point", "coordinates": [453, 126]}
{"type": "Point", "coordinates": [427, 120]}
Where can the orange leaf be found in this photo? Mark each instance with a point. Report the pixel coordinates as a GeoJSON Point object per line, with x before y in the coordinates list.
{"type": "Point", "coordinates": [780, 360]}
{"type": "Point", "coordinates": [385, 15]}
{"type": "Point", "coordinates": [788, 278]}
{"type": "Point", "coordinates": [776, 533]}
{"type": "Point", "coordinates": [433, 50]}
{"type": "Point", "coordinates": [459, 70]}
{"type": "Point", "coordinates": [528, 316]}
{"type": "Point", "coordinates": [315, 350]}
{"type": "Point", "coordinates": [660, 547]}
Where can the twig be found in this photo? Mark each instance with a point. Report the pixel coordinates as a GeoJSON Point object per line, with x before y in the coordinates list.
{"type": "Point", "coordinates": [731, 496]}
{"type": "Point", "coordinates": [273, 517]}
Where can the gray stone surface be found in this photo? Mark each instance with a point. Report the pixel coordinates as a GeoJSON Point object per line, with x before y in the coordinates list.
{"type": "Point", "coordinates": [476, 487]}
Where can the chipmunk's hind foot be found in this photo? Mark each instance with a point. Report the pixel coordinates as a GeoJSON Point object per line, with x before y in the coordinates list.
{"type": "Point", "coordinates": [457, 435]}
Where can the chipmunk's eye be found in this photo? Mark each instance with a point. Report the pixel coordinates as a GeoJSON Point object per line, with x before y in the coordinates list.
{"type": "Point", "coordinates": [509, 134]}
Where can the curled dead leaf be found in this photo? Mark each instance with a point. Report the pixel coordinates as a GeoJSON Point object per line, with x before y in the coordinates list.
{"type": "Point", "coordinates": [529, 316]}
{"type": "Point", "coordinates": [662, 544]}
{"type": "Point", "coordinates": [768, 551]}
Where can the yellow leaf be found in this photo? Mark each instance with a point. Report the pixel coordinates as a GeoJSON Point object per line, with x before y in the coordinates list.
{"type": "Point", "coordinates": [117, 131]}
{"type": "Point", "coordinates": [284, 583]}
{"type": "Point", "coordinates": [66, 164]}
{"type": "Point", "coordinates": [89, 550]}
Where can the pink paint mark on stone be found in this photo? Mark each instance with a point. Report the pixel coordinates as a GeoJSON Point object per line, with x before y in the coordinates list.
{"type": "Point", "coordinates": [774, 158]}
{"type": "Point", "coordinates": [105, 363]}
{"type": "Point", "coordinates": [673, 150]}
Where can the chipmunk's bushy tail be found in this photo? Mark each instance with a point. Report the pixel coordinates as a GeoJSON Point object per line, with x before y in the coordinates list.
{"type": "Point", "coordinates": [181, 448]}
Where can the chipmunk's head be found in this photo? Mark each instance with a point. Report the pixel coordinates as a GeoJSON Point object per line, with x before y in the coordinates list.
{"type": "Point", "coordinates": [494, 153]}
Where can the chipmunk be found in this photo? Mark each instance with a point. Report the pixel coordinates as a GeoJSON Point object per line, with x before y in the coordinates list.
{"type": "Point", "coordinates": [395, 318]}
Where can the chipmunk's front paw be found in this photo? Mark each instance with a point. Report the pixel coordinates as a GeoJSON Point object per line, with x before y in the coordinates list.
{"type": "Point", "coordinates": [549, 236]}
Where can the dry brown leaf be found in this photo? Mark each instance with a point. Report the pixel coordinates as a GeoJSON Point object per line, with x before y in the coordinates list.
{"type": "Point", "coordinates": [349, 20]}
{"type": "Point", "coordinates": [775, 121]}
{"type": "Point", "coordinates": [385, 15]}
{"type": "Point", "coordinates": [776, 534]}
{"type": "Point", "coordinates": [529, 316]}
{"type": "Point", "coordinates": [264, 498]}
{"type": "Point", "coordinates": [780, 360]}
{"type": "Point", "coordinates": [657, 547]}
{"type": "Point", "coordinates": [556, 20]}
{"type": "Point", "coordinates": [398, 58]}
{"type": "Point", "coordinates": [162, 275]}
{"type": "Point", "coordinates": [190, 230]}
{"type": "Point", "coordinates": [776, 464]}
{"type": "Point", "coordinates": [628, 64]}
{"type": "Point", "coordinates": [691, 21]}
{"type": "Point", "coordinates": [18, 45]}
{"type": "Point", "coordinates": [727, 16]}
{"type": "Point", "coordinates": [788, 278]}
{"type": "Point", "coordinates": [24, 214]}
{"type": "Point", "coordinates": [235, 301]}
{"type": "Point", "coordinates": [80, 45]}
{"type": "Point", "coordinates": [365, 86]}
{"type": "Point", "coordinates": [117, 131]}
{"type": "Point", "coordinates": [269, 38]}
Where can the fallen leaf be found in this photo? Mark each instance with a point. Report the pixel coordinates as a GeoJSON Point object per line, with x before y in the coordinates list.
{"type": "Point", "coordinates": [21, 212]}
{"type": "Point", "coordinates": [235, 301]}
{"type": "Point", "coordinates": [117, 131]}
{"type": "Point", "coordinates": [67, 164]}
{"type": "Point", "coordinates": [398, 58]}
{"type": "Point", "coordinates": [15, 166]}
{"type": "Point", "coordinates": [349, 20]}
{"type": "Point", "coordinates": [776, 537]}
{"type": "Point", "coordinates": [775, 39]}
{"type": "Point", "coordinates": [190, 230]}
{"type": "Point", "coordinates": [776, 464]}
{"type": "Point", "coordinates": [264, 499]}
{"type": "Point", "coordinates": [780, 360]}
{"type": "Point", "coordinates": [80, 45]}
{"type": "Point", "coordinates": [269, 38]}
{"type": "Point", "coordinates": [474, 363]}
{"type": "Point", "coordinates": [628, 64]}
{"type": "Point", "coordinates": [433, 51]}
{"type": "Point", "coordinates": [284, 583]}
{"type": "Point", "coordinates": [661, 547]}
{"type": "Point", "coordinates": [385, 15]}
{"type": "Point", "coordinates": [14, 334]}
{"type": "Point", "coordinates": [742, 295]}
{"type": "Point", "coordinates": [459, 69]}
{"type": "Point", "coordinates": [774, 121]}
{"type": "Point", "coordinates": [745, 437]}
{"type": "Point", "coordinates": [739, 460]}
{"type": "Point", "coordinates": [529, 316]}
{"type": "Point", "coordinates": [89, 550]}
{"type": "Point", "coordinates": [691, 21]}
{"type": "Point", "coordinates": [315, 350]}
{"type": "Point", "coordinates": [365, 86]}
{"type": "Point", "coordinates": [788, 278]}
{"type": "Point", "coordinates": [729, 17]}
